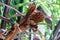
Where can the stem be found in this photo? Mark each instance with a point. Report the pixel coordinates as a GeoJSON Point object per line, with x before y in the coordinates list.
{"type": "Point", "coordinates": [11, 8]}
{"type": "Point", "coordinates": [3, 24]}
{"type": "Point", "coordinates": [6, 19]}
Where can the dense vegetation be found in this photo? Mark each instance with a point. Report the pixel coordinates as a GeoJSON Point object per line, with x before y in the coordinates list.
{"type": "Point", "coordinates": [50, 7]}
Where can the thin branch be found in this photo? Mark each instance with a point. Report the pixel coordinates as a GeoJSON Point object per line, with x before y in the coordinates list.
{"type": "Point", "coordinates": [6, 10]}
{"type": "Point", "coordinates": [55, 32]}
{"type": "Point", "coordinates": [12, 8]}
{"type": "Point", "coordinates": [6, 19]}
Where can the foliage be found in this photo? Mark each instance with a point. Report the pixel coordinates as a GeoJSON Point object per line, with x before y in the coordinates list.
{"type": "Point", "coordinates": [51, 8]}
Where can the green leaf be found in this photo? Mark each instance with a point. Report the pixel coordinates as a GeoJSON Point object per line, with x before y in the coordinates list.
{"type": "Point", "coordinates": [46, 9]}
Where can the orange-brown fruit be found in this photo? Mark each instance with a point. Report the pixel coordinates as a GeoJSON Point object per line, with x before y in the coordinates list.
{"type": "Point", "coordinates": [13, 32]}
{"type": "Point", "coordinates": [38, 16]}
{"type": "Point", "coordinates": [31, 9]}
{"type": "Point", "coordinates": [24, 22]}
